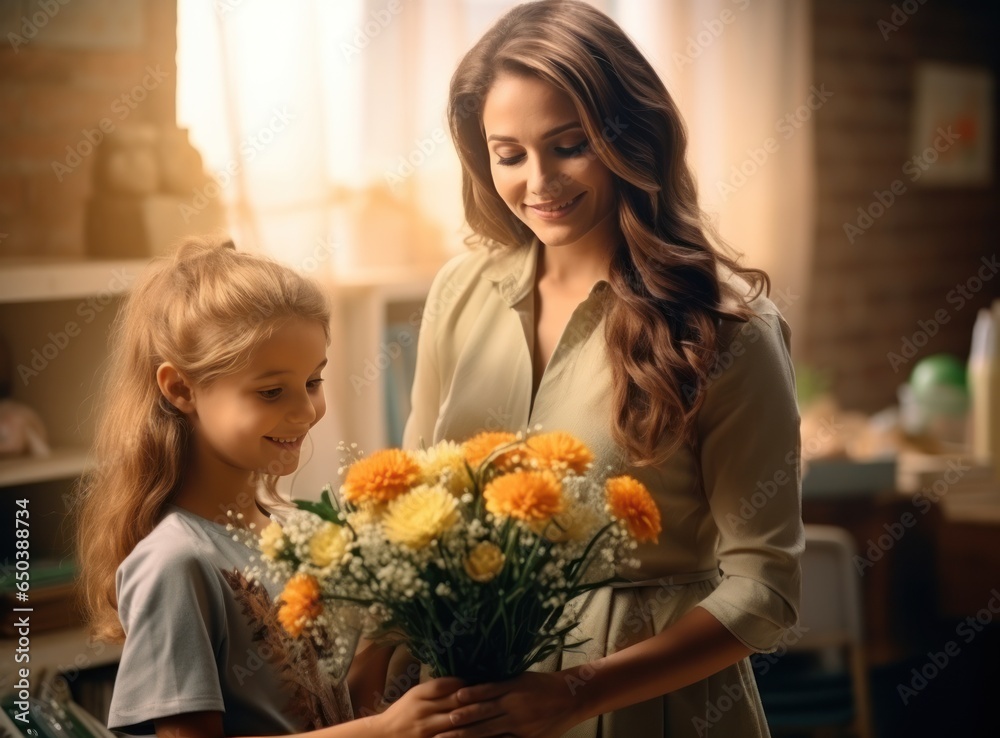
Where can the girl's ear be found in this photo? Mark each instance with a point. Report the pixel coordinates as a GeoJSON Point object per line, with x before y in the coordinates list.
{"type": "Point", "coordinates": [175, 387]}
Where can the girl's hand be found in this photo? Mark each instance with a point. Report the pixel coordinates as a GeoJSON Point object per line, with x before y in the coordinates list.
{"type": "Point", "coordinates": [533, 705]}
{"type": "Point", "coordinates": [425, 710]}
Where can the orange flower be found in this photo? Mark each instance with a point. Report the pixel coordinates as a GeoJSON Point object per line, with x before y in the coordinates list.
{"type": "Point", "coordinates": [381, 477]}
{"type": "Point", "coordinates": [560, 452]}
{"type": "Point", "coordinates": [479, 447]}
{"type": "Point", "coordinates": [527, 496]}
{"type": "Point", "coordinates": [300, 604]}
{"type": "Point", "coordinates": [631, 503]}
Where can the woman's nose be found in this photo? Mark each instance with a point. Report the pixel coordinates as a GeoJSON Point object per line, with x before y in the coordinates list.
{"type": "Point", "coordinates": [544, 181]}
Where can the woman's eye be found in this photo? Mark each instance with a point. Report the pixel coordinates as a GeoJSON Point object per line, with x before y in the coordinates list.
{"type": "Point", "coordinates": [270, 394]}
{"type": "Point", "coordinates": [313, 384]}
{"type": "Point", "coordinates": [573, 150]}
{"type": "Point", "coordinates": [506, 161]}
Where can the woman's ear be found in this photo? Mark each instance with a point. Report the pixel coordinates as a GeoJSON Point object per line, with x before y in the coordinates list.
{"type": "Point", "coordinates": [175, 387]}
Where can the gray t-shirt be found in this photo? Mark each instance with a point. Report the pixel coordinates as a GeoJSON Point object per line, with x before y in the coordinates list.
{"type": "Point", "coordinates": [189, 647]}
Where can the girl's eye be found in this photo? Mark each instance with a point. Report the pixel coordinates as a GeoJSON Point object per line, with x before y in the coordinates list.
{"type": "Point", "coordinates": [572, 151]}
{"type": "Point", "coordinates": [270, 394]}
{"type": "Point", "coordinates": [314, 384]}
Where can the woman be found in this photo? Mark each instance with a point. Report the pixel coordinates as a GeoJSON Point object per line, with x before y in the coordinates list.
{"type": "Point", "coordinates": [601, 307]}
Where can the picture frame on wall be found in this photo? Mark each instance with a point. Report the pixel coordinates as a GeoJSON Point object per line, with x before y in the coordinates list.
{"type": "Point", "coordinates": [953, 125]}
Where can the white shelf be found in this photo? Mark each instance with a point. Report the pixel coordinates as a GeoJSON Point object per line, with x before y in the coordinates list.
{"type": "Point", "coordinates": [48, 280]}
{"type": "Point", "coordinates": [63, 463]}
{"type": "Point", "coordinates": [61, 650]}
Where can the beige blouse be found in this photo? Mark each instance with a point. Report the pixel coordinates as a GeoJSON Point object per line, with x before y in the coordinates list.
{"type": "Point", "coordinates": [730, 543]}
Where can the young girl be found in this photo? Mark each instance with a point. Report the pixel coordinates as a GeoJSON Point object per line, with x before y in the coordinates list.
{"type": "Point", "coordinates": [603, 308]}
{"type": "Point", "coordinates": [213, 386]}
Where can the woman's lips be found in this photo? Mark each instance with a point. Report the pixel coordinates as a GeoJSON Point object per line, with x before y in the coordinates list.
{"type": "Point", "coordinates": [561, 212]}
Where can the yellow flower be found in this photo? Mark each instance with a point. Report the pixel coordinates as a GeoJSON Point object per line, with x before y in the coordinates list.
{"type": "Point", "coordinates": [560, 452]}
{"type": "Point", "coordinates": [417, 518]}
{"type": "Point", "coordinates": [631, 503]}
{"type": "Point", "coordinates": [300, 604]}
{"type": "Point", "coordinates": [578, 523]}
{"type": "Point", "coordinates": [484, 562]}
{"type": "Point", "coordinates": [272, 541]}
{"type": "Point", "coordinates": [444, 463]}
{"type": "Point", "coordinates": [479, 447]}
{"type": "Point", "coordinates": [526, 496]}
{"type": "Point", "coordinates": [381, 477]}
{"type": "Point", "coordinates": [364, 516]}
{"type": "Point", "coordinates": [327, 545]}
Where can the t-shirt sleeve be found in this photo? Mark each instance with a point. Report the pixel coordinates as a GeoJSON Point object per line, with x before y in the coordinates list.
{"type": "Point", "coordinates": [172, 610]}
{"type": "Point", "coordinates": [750, 459]}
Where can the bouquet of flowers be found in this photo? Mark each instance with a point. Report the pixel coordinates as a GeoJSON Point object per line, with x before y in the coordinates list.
{"type": "Point", "coordinates": [470, 552]}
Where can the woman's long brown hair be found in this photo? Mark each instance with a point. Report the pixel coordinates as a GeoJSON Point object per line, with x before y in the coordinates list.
{"type": "Point", "coordinates": [662, 326]}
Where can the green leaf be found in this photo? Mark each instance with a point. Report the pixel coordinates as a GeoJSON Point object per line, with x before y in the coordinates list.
{"type": "Point", "coordinates": [324, 511]}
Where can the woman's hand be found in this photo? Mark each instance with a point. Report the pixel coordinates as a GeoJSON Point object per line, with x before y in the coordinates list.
{"type": "Point", "coordinates": [425, 710]}
{"type": "Point", "coordinates": [532, 705]}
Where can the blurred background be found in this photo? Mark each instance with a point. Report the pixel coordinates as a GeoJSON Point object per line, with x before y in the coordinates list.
{"type": "Point", "coordinates": [848, 147]}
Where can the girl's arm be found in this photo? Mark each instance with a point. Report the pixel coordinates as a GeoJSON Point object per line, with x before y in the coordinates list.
{"type": "Point", "coordinates": [367, 675]}
{"type": "Point", "coordinates": [422, 712]}
{"type": "Point", "coordinates": [538, 704]}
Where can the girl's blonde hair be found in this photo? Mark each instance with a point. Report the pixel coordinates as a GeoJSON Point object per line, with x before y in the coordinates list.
{"type": "Point", "coordinates": [204, 309]}
{"type": "Point", "coordinates": [662, 328]}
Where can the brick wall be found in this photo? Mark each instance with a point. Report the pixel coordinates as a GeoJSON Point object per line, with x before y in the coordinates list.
{"type": "Point", "coordinates": [66, 68]}
{"type": "Point", "coordinates": [868, 296]}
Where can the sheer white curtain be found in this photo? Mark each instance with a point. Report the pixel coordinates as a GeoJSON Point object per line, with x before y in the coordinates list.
{"type": "Point", "coordinates": [333, 116]}
{"type": "Point", "coordinates": [324, 123]}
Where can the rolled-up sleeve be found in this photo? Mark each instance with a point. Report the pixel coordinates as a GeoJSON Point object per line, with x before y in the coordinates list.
{"type": "Point", "coordinates": [750, 459]}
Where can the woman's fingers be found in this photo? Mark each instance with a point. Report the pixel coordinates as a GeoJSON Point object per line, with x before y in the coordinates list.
{"type": "Point", "coordinates": [483, 692]}
{"type": "Point", "coordinates": [475, 713]}
{"type": "Point", "coordinates": [492, 728]}
{"type": "Point", "coordinates": [439, 688]}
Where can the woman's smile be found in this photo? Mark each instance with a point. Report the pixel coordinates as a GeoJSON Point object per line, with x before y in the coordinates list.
{"type": "Point", "coordinates": [556, 210]}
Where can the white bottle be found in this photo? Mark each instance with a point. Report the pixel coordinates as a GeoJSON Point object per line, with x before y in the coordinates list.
{"type": "Point", "coordinates": [984, 386]}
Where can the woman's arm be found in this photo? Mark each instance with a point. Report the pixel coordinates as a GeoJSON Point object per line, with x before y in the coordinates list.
{"type": "Point", "coordinates": [749, 431]}
{"type": "Point", "coordinates": [537, 704]}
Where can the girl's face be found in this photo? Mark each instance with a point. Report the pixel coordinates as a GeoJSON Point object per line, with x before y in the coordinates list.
{"type": "Point", "coordinates": [257, 418]}
{"type": "Point", "coordinates": [542, 164]}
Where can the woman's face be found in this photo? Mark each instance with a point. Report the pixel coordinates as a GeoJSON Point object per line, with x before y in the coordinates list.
{"type": "Point", "coordinates": [543, 166]}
